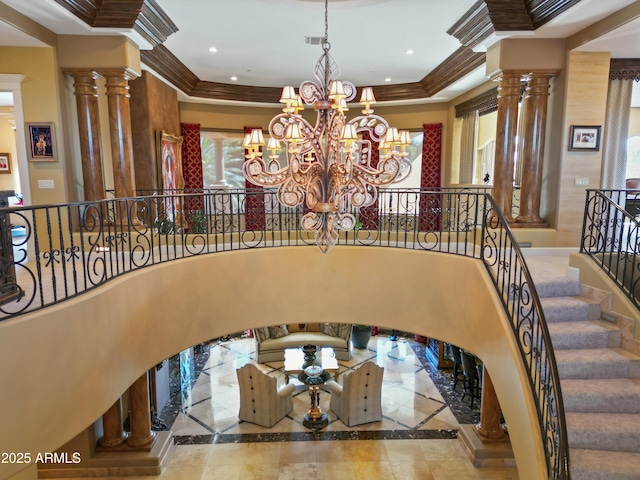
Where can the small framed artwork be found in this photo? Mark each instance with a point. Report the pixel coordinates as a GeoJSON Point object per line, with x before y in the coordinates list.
{"type": "Point", "coordinates": [585, 137]}
{"type": "Point", "coordinates": [5, 163]}
{"type": "Point", "coordinates": [41, 146]}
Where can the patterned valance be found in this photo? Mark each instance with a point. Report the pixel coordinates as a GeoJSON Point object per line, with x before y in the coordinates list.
{"type": "Point", "coordinates": [625, 69]}
{"type": "Point", "coordinates": [484, 103]}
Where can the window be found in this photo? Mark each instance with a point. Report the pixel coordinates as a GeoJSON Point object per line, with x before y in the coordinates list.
{"type": "Point", "coordinates": [633, 157]}
{"type": "Point", "coordinates": [222, 158]}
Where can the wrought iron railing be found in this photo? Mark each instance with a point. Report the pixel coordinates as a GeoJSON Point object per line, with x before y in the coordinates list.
{"type": "Point", "coordinates": [55, 252]}
{"type": "Point", "coordinates": [611, 237]}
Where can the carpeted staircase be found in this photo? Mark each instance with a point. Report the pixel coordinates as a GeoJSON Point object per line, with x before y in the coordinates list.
{"type": "Point", "coordinates": [599, 380]}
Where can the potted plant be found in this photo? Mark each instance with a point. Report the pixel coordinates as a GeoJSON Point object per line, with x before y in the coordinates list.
{"type": "Point", "coordinates": [360, 335]}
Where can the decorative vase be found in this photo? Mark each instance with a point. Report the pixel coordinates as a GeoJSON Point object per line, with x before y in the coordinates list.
{"type": "Point", "coordinates": [360, 336]}
{"type": "Point", "coordinates": [309, 355]}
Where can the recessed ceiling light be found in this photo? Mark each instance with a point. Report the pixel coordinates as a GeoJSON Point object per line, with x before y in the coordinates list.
{"type": "Point", "coordinates": [387, 79]}
{"type": "Point", "coordinates": [234, 78]}
{"type": "Point", "coordinates": [213, 49]}
{"type": "Point", "coordinates": [410, 52]}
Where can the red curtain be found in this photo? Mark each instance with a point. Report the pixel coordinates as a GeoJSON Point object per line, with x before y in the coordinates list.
{"type": "Point", "coordinates": [430, 177]}
{"type": "Point", "coordinates": [192, 165]}
{"type": "Point", "coordinates": [369, 215]}
{"type": "Point", "coordinates": [254, 202]}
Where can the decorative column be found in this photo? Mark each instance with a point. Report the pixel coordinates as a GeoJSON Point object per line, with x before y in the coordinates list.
{"type": "Point", "coordinates": [89, 132]}
{"type": "Point", "coordinates": [533, 148]}
{"type": "Point", "coordinates": [489, 427]}
{"type": "Point", "coordinates": [508, 96]}
{"type": "Point", "coordinates": [120, 131]}
{"type": "Point", "coordinates": [114, 435]}
{"type": "Point", "coordinates": [141, 436]}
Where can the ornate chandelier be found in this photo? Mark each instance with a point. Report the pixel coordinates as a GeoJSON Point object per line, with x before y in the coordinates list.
{"type": "Point", "coordinates": [329, 165]}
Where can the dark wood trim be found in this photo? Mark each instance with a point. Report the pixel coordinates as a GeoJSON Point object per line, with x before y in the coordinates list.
{"type": "Point", "coordinates": [85, 10]}
{"type": "Point", "coordinates": [474, 26]}
{"type": "Point", "coordinates": [542, 11]}
{"type": "Point", "coordinates": [509, 15]}
{"type": "Point", "coordinates": [462, 62]}
{"type": "Point", "coordinates": [624, 69]}
{"type": "Point", "coordinates": [117, 13]}
{"type": "Point", "coordinates": [154, 24]}
{"type": "Point", "coordinates": [240, 93]}
{"type": "Point", "coordinates": [144, 16]}
{"type": "Point", "coordinates": [164, 63]}
{"type": "Point", "coordinates": [484, 18]}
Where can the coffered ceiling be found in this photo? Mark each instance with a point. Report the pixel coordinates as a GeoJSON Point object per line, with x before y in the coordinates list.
{"type": "Point", "coordinates": [262, 45]}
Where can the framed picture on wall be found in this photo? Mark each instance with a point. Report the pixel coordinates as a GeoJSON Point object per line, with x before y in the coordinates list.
{"type": "Point", "coordinates": [585, 137]}
{"type": "Point", "coordinates": [5, 163]}
{"type": "Point", "coordinates": [41, 147]}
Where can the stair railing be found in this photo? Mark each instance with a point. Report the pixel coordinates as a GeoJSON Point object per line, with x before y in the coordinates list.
{"type": "Point", "coordinates": [512, 279]}
{"type": "Point", "coordinates": [611, 237]}
{"type": "Point", "coordinates": [51, 253]}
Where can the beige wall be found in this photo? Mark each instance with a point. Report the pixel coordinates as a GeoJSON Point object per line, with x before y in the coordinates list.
{"type": "Point", "coordinates": [585, 104]}
{"type": "Point", "coordinates": [40, 104]}
{"type": "Point", "coordinates": [143, 317]}
{"type": "Point", "coordinates": [525, 55]}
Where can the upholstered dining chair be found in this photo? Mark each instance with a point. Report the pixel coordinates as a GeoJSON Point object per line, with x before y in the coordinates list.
{"type": "Point", "coordinates": [359, 399]}
{"type": "Point", "coordinates": [261, 402]}
{"type": "Point", "coordinates": [471, 377]}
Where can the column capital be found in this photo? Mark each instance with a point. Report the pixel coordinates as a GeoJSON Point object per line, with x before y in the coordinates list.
{"type": "Point", "coordinates": [118, 73]}
{"type": "Point", "coordinates": [84, 81]}
{"type": "Point", "coordinates": [509, 75]}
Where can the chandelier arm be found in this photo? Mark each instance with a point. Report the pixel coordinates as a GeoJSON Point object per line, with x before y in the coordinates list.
{"type": "Point", "coordinates": [374, 124]}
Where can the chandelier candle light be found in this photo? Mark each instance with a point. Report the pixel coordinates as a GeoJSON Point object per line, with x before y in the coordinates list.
{"type": "Point", "coordinates": [329, 166]}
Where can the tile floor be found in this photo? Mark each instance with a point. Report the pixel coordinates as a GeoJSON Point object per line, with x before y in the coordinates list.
{"type": "Point", "coordinates": [416, 439]}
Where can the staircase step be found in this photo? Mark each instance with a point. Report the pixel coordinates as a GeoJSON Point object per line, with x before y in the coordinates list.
{"type": "Point", "coordinates": [576, 335]}
{"type": "Point", "coordinates": [600, 465]}
{"type": "Point", "coordinates": [596, 363]}
{"type": "Point", "coordinates": [601, 396]}
{"type": "Point", "coordinates": [569, 309]}
{"type": "Point", "coordinates": [553, 286]}
{"type": "Point", "coordinates": [604, 431]}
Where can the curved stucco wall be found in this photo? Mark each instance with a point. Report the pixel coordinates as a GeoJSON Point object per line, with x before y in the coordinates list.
{"type": "Point", "coordinates": [65, 365]}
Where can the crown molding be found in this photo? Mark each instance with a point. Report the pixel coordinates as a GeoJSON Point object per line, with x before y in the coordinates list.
{"type": "Point", "coordinates": [144, 16]}
{"type": "Point", "coordinates": [459, 64]}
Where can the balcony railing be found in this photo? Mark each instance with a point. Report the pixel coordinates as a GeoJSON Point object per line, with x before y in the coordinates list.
{"type": "Point", "coordinates": [611, 237]}
{"type": "Point", "coordinates": [55, 252]}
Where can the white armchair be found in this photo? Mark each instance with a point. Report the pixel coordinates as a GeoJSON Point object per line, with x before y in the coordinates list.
{"type": "Point", "coordinates": [261, 402]}
{"type": "Point", "coordinates": [359, 399]}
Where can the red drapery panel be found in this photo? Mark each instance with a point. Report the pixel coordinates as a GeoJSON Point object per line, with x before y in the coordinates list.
{"type": "Point", "coordinates": [254, 202]}
{"type": "Point", "coordinates": [192, 165]}
{"type": "Point", "coordinates": [430, 176]}
{"type": "Point", "coordinates": [369, 215]}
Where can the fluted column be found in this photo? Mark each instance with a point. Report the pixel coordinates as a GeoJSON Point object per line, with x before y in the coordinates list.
{"type": "Point", "coordinates": [113, 435]}
{"type": "Point", "coordinates": [141, 436]}
{"type": "Point", "coordinates": [117, 84]}
{"type": "Point", "coordinates": [489, 427]}
{"type": "Point", "coordinates": [533, 147]}
{"type": "Point", "coordinates": [507, 125]}
{"type": "Point", "coordinates": [89, 133]}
